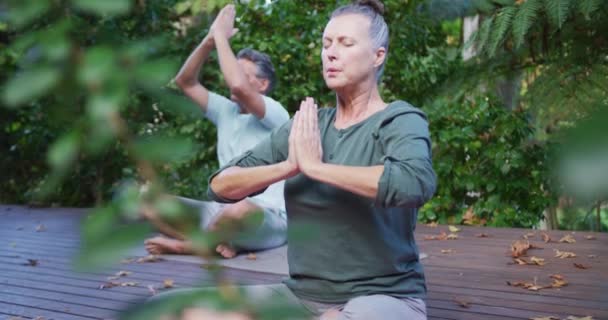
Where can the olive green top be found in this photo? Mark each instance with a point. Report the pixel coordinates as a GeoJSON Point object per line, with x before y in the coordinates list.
{"type": "Point", "coordinates": [343, 245]}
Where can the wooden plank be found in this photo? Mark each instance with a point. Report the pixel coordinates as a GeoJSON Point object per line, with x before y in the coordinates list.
{"type": "Point", "coordinates": [33, 312]}
{"type": "Point", "coordinates": [476, 271]}
{"type": "Point", "coordinates": [57, 306]}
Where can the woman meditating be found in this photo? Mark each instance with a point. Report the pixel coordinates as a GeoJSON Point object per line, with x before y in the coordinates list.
{"type": "Point", "coordinates": [356, 174]}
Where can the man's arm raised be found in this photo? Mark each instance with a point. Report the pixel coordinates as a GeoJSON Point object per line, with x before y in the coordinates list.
{"type": "Point", "coordinates": [187, 77]}
{"type": "Point", "coordinates": [248, 97]}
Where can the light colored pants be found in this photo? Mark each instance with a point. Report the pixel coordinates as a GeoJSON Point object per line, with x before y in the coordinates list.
{"type": "Point", "coordinates": [270, 234]}
{"type": "Point", "coordinates": [360, 308]}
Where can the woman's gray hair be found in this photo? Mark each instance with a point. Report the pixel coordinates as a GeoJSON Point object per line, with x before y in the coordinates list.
{"type": "Point", "coordinates": [378, 29]}
{"type": "Point", "coordinates": [262, 61]}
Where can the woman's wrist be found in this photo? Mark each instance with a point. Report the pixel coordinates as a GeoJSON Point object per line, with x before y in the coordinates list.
{"type": "Point", "coordinates": [288, 169]}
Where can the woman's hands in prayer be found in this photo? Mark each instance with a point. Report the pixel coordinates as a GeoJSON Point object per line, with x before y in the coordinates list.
{"type": "Point", "coordinates": [305, 149]}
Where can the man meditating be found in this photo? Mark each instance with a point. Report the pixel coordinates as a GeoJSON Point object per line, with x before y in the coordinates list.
{"type": "Point", "coordinates": [242, 121]}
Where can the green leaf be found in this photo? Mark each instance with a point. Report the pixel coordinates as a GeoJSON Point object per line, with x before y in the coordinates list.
{"type": "Point", "coordinates": [181, 7]}
{"type": "Point", "coordinates": [25, 11]}
{"type": "Point", "coordinates": [484, 6]}
{"type": "Point", "coordinates": [587, 7]}
{"type": "Point", "coordinates": [164, 149]}
{"type": "Point", "coordinates": [108, 248]}
{"type": "Point", "coordinates": [156, 74]}
{"type": "Point", "coordinates": [63, 151]}
{"type": "Point", "coordinates": [99, 64]}
{"type": "Point", "coordinates": [558, 11]}
{"type": "Point", "coordinates": [525, 17]}
{"type": "Point", "coordinates": [29, 85]}
{"type": "Point", "coordinates": [98, 223]}
{"type": "Point", "coordinates": [105, 7]}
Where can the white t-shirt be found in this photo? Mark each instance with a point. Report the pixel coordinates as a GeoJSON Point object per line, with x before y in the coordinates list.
{"type": "Point", "coordinates": [239, 132]}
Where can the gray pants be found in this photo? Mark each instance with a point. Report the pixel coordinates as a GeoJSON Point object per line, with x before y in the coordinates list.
{"type": "Point", "coordinates": [360, 308]}
{"type": "Point", "coordinates": [270, 234]}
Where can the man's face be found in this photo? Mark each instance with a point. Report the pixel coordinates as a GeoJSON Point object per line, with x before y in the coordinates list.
{"type": "Point", "coordinates": [250, 69]}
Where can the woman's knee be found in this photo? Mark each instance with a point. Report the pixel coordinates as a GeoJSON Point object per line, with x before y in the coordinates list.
{"type": "Point", "coordinates": [383, 307]}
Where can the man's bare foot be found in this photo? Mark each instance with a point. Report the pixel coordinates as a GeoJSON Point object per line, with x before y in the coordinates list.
{"type": "Point", "coordinates": [226, 251]}
{"type": "Point", "coordinates": [162, 245]}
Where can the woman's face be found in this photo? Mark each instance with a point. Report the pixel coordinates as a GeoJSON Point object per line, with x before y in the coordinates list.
{"type": "Point", "coordinates": [348, 55]}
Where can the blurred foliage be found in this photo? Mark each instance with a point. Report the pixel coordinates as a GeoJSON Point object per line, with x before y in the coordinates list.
{"type": "Point", "coordinates": [89, 100]}
{"type": "Point", "coordinates": [89, 109]}
{"type": "Point", "coordinates": [547, 58]}
{"type": "Point", "coordinates": [488, 162]}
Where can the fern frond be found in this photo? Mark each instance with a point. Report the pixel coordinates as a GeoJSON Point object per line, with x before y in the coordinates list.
{"type": "Point", "coordinates": [504, 18]}
{"type": "Point", "coordinates": [558, 11]}
{"type": "Point", "coordinates": [587, 7]}
{"type": "Point", "coordinates": [482, 35]}
{"type": "Point", "coordinates": [504, 3]}
{"type": "Point", "coordinates": [525, 17]}
{"type": "Point", "coordinates": [484, 6]}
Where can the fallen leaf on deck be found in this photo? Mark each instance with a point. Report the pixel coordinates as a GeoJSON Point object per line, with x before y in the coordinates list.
{"type": "Point", "coordinates": [545, 318]}
{"type": "Point", "coordinates": [482, 235]}
{"type": "Point", "coordinates": [590, 237]}
{"type": "Point", "coordinates": [533, 261]}
{"type": "Point", "coordinates": [469, 217]}
{"type": "Point", "coordinates": [168, 283]}
{"type": "Point", "coordinates": [150, 258]}
{"type": "Point", "coordinates": [251, 256]}
{"type": "Point", "coordinates": [579, 318]}
{"type": "Point", "coordinates": [39, 318]}
{"type": "Point", "coordinates": [432, 224]}
{"type": "Point", "coordinates": [564, 254]}
{"type": "Point", "coordinates": [537, 261]}
{"type": "Point", "coordinates": [558, 283]}
{"type": "Point", "coordinates": [152, 289]}
{"type": "Point", "coordinates": [461, 302]}
{"type": "Point", "coordinates": [568, 239]}
{"type": "Point", "coordinates": [40, 228]}
{"type": "Point", "coordinates": [453, 229]}
{"type": "Point", "coordinates": [519, 248]}
{"type": "Point", "coordinates": [529, 235]}
{"type": "Point", "coordinates": [110, 284]}
{"type": "Point", "coordinates": [128, 284]}
{"type": "Point", "coordinates": [31, 263]}
{"type": "Point", "coordinates": [119, 274]}
{"type": "Point", "coordinates": [441, 236]}
{"type": "Point", "coordinates": [452, 236]}
{"type": "Point", "coordinates": [446, 251]}
{"type": "Point", "coordinates": [581, 266]}
{"type": "Point", "coordinates": [128, 260]}
{"type": "Point", "coordinates": [556, 276]}
{"type": "Point", "coordinates": [545, 237]}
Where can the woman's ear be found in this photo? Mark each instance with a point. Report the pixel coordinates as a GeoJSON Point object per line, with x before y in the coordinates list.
{"type": "Point", "coordinates": [380, 57]}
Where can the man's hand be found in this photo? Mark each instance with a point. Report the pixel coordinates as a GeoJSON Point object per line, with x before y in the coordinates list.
{"type": "Point", "coordinates": [223, 26]}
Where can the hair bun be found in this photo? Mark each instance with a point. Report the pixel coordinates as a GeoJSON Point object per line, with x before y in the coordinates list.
{"type": "Point", "coordinates": [376, 5]}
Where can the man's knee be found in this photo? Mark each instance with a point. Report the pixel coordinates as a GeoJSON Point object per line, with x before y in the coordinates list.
{"type": "Point", "coordinates": [239, 210]}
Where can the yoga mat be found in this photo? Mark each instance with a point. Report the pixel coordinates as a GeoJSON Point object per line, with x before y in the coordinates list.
{"type": "Point", "coordinates": [269, 261]}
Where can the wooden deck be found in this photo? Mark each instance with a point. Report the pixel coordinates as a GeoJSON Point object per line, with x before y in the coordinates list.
{"type": "Point", "coordinates": [468, 280]}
